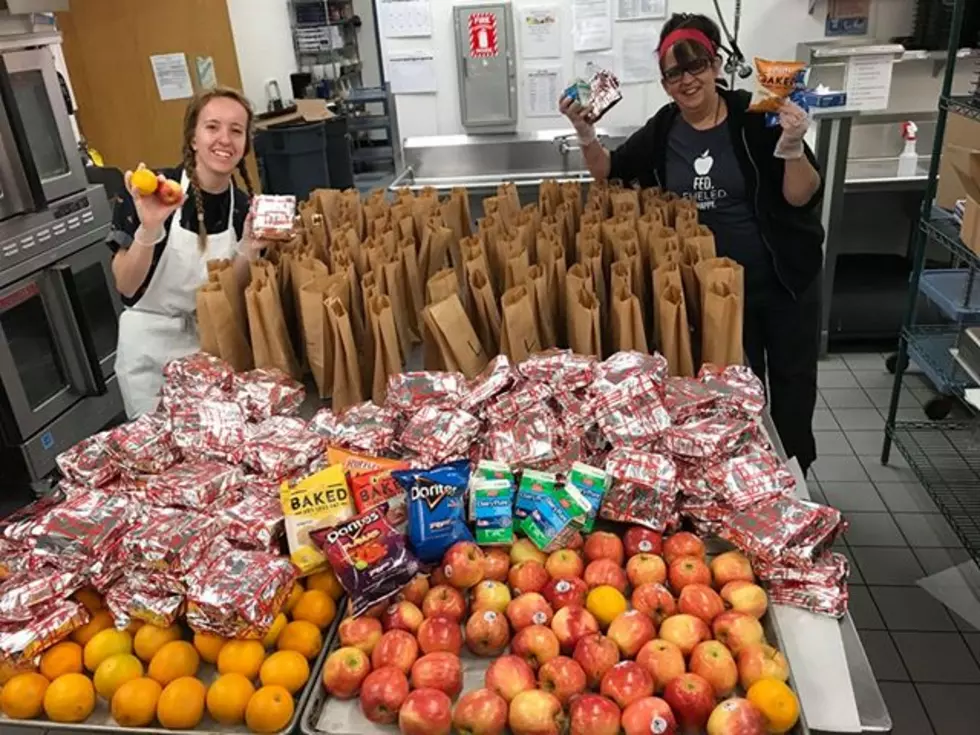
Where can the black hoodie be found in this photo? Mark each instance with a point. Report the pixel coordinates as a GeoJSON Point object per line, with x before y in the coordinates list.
{"type": "Point", "coordinates": [793, 235]}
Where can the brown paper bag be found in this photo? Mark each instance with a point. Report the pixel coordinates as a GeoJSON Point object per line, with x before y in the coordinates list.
{"type": "Point", "coordinates": [387, 356]}
{"type": "Point", "coordinates": [486, 312]}
{"type": "Point", "coordinates": [458, 346]}
{"type": "Point", "coordinates": [510, 202]}
{"type": "Point", "coordinates": [662, 241]}
{"type": "Point", "coordinates": [584, 331]}
{"type": "Point", "coordinates": [516, 265]}
{"type": "Point", "coordinates": [518, 331]}
{"type": "Point", "coordinates": [620, 274]}
{"type": "Point", "coordinates": [549, 197]}
{"type": "Point", "coordinates": [571, 194]}
{"type": "Point", "coordinates": [552, 260]}
{"type": "Point", "coordinates": [395, 287]}
{"type": "Point", "coordinates": [545, 305]}
{"type": "Point", "coordinates": [219, 331]}
{"type": "Point", "coordinates": [270, 340]}
{"type": "Point", "coordinates": [675, 337]}
{"type": "Point", "coordinates": [706, 266]}
{"type": "Point", "coordinates": [626, 321]}
{"type": "Point", "coordinates": [413, 283]}
{"type": "Point", "coordinates": [592, 258]}
{"type": "Point", "coordinates": [645, 225]}
{"type": "Point", "coordinates": [436, 245]}
{"type": "Point", "coordinates": [686, 221]}
{"type": "Point", "coordinates": [442, 285]}
{"type": "Point", "coordinates": [721, 281]}
{"type": "Point", "coordinates": [342, 264]}
{"type": "Point", "coordinates": [346, 386]}
{"type": "Point", "coordinates": [568, 216]}
{"type": "Point", "coordinates": [222, 272]}
{"type": "Point", "coordinates": [456, 212]}
{"type": "Point", "coordinates": [317, 339]}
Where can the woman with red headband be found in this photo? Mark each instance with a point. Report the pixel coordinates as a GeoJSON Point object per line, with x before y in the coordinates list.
{"type": "Point", "coordinates": [757, 188]}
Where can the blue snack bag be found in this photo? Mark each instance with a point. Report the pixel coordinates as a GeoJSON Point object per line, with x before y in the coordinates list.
{"type": "Point", "coordinates": [436, 507]}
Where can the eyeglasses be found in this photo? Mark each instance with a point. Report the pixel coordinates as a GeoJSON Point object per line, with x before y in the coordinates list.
{"type": "Point", "coordinates": [675, 73]}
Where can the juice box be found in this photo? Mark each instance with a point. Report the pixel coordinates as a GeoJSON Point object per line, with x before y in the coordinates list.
{"type": "Point", "coordinates": [318, 501]}
{"type": "Point", "coordinates": [534, 486]}
{"type": "Point", "coordinates": [492, 511]}
{"type": "Point", "coordinates": [591, 483]}
{"type": "Point", "coordinates": [548, 525]}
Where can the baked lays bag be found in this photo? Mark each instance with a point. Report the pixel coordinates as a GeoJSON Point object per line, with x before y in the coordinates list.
{"type": "Point", "coordinates": [775, 81]}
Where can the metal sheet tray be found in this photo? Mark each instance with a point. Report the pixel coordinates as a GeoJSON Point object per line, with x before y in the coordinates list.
{"type": "Point", "coordinates": [101, 720]}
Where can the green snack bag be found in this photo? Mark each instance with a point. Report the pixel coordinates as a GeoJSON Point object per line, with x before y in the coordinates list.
{"type": "Point", "coordinates": [591, 483]}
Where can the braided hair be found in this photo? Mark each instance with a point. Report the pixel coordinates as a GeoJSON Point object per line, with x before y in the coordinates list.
{"type": "Point", "coordinates": [191, 116]}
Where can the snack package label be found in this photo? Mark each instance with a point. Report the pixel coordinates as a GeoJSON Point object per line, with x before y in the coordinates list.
{"type": "Point", "coordinates": [436, 507]}
{"type": "Point", "coordinates": [488, 469]}
{"type": "Point", "coordinates": [358, 464]}
{"type": "Point", "coordinates": [317, 501]}
{"type": "Point", "coordinates": [534, 486]}
{"type": "Point", "coordinates": [373, 488]}
{"type": "Point", "coordinates": [548, 525]}
{"type": "Point", "coordinates": [591, 483]}
{"type": "Point", "coordinates": [775, 81]}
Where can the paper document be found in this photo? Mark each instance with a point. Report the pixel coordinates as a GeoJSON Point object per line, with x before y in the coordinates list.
{"type": "Point", "coordinates": [592, 24]}
{"type": "Point", "coordinates": [637, 58]}
{"type": "Point", "coordinates": [588, 64]}
{"type": "Point", "coordinates": [172, 76]}
{"type": "Point", "coordinates": [542, 87]}
{"type": "Point", "coordinates": [540, 32]}
{"type": "Point", "coordinates": [412, 72]}
{"type": "Point", "coordinates": [205, 72]}
{"type": "Point", "coordinates": [869, 81]}
{"type": "Point", "coordinates": [640, 9]}
{"type": "Point", "coordinates": [405, 18]}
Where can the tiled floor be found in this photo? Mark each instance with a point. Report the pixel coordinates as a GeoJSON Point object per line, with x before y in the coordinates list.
{"type": "Point", "coordinates": [926, 658]}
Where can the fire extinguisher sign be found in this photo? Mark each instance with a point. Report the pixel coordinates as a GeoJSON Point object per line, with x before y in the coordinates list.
{"type": "Point", "coordinates": [483, 35]}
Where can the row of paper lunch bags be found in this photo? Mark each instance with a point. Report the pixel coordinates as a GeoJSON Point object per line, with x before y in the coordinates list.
{"type": "Point", "coordinates": [364, 280]}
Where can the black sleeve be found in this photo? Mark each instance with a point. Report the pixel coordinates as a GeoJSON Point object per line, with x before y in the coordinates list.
{"type": "Point", "coordinates": [633, 160]}
{"type": "Point", "coordinates": [242, 205]}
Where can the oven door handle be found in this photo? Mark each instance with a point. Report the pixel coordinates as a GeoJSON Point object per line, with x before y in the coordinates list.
{"type": "Point", "coordinates": [31, 173]}
{"type": "Point", "coordinates": [67, 280]}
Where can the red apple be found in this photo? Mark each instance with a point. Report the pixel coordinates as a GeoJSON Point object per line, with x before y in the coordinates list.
{"type": "Point", "coordinates": [566, 591]}
{"type": "Point", "coordinates": [649, 716]}
{"type": "Point", "coordinates": [536, 644]}
{"type": "Point", "coordinates": [440, 634]}
{"type": "Point", "coordinates": [737, 716]}
{"type": "Point", "coordinates": [480, 712]}
{"type": "Point", "coordinates": [596, 654]}
{"type": "Point", "coordinates": [593, 714]}
{"type": "Point", "coordinates": [529, 609]}
{"type": "Point", "coordinates": [645, 569]}
{"type": "Point", "coordinates": [663, 660]}
{"type": "Point", "coordinates": [737, 630]}
{"type": "Point", "coordinates": [463, 564]}
{"type": "Point", "coordinates": [760, 661]}
{"type": "Point", "coordinates": [700, 601]}
{"type": "Point", "coordinates": [731, 566]}
{"type": "Point", "coordinates": [682, 544]}
{"type": "Point", "coordinates": [712, 661]}
{"type": "Point", "coordinates": [444, 600]}
{"type": "Point", "coordinates": [525, 550]}
{"type": "Point", "coordinates": [564, 563]}
{"type": "Point", "coordinates": [416, 590]}
{"type": "Point", "coordinates": [631, 631]}
{"type": "Point", "coordinates": [375, 611]}
{"type": "Point", "coordinates": [437, 578]}
{"type": "Point", "coordinates": [169, 192]}
{"type": "Point", "coordinates": [402, 616]}
{"type": "Point", "coordinates": [625, 683]}
{"type": "Point", "coordinates": [527, 576]}
{"type": "Point", "coordinates": [655, 601]}
{"type": "Point", "coordinates": [685, 631]}
{"type": "Point", "coordinates": [496, 564]}
{"type": "Point", "coordinates": [363, 633]}
{"type": "Point", "coordinates": [640, 540]}
{"type": "Point", "coordinates": [606, 571]}
{"type": "Point", "coordinates": [426, 712]}
{"type": "Point", "coordinates": [382, 693]}
{"type": "Point", "coordinates": [396, 648]}
{"type": "Point", "coordinates": [576, 542]}
{"type": "Point", "coordinates": [692, 700]}
{"type": "Point", "coordinates": [571, 624]}
{"type": "Point", "coordinates": [745, 597]}
{"type": "Point", "coordinates": [604, 545]}
{"type": "Point", "coordinates": [509, 675]}
{"type": "Point", "coordinates": [536, 713]}
{"type": "Point", "coordinates": [344, 670]}
{"type": "Point", "coordinates": [487, 633]}
{"type": "Point", "coordinates": [490, 595]}
{"type": "Point", "coordinates": [685, 570]}
{"type": "Point", "coordinates": [563, 677]}
{"type": "Point", "coordinates": [439, 670]}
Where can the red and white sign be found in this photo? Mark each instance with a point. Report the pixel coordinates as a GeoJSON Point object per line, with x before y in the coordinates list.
{"type": "Point", "coordinates": [483, 35]}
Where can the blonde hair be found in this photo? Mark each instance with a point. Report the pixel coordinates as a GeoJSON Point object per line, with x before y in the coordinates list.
{"type": "Point", "coordinates": [191, 115]}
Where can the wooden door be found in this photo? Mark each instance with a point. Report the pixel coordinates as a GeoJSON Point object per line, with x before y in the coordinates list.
{"type": "Point", "coordinates": [107, 47]}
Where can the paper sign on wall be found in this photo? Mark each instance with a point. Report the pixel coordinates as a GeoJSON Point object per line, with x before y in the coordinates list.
{"type": "Point", "coordinates": [542, 88]}
{"type": "Point", "coordinates": [869, 81]}
{"type": "Point", "coordinates": [592, 24]}
{"type": "Point", "coordinates": [483, 35]}
{"type": "Point", "coordinates": [405, 18]}
{"type": "Point", "coordinates": [172, 76]}
{"type": "Point", "coordinates": [540, 33]}
{"type": "Point", "coordinates": [412, 72]}
{"type": "Point", "coordinates": [206, 76]}
{"type": "Point", "coordinates": [640, 9]}
{"type": "Point", "coordinates": [638, 60]}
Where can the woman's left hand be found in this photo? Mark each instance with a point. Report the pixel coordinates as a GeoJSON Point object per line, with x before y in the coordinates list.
{"type": "Point", "coordinates": [794, 121]}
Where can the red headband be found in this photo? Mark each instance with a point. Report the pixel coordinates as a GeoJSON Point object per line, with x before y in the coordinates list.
{"type": "Point", "coordinates": [686, 34]}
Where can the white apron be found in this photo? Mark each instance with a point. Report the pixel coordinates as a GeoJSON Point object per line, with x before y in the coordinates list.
{"type": "Point", "coordinates": [161, 326]}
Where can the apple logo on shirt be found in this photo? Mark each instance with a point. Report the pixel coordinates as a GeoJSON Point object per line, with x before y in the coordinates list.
{"type": "Point", "coordinates": [705, 194]}
{"type": "Point", "coordinates": [703, 163]}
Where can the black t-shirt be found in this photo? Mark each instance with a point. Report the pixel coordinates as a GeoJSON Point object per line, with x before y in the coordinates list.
{"type": "Point", "coordinates": [125, 223]}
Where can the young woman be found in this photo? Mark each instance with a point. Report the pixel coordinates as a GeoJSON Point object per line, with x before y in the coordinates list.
{"type": "Point", "coordinates": [757, 188]}
{"type": "Point", "coordinates": [161, 250]}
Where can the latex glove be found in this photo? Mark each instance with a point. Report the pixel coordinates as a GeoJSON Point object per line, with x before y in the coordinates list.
{"type": "Point", "coordinates": [576, 114]}
{"type": "Point", "coordinates": [251, 247]}
{"type": "Point", "coordinates": [794, 121]}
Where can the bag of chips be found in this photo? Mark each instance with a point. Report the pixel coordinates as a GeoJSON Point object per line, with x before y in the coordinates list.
{"type": "Point", "coordinates": [436, 507]}
{"type": "Point", "coordinates": [775, 81]}
{"type": "Point", "coordinates": [320, 500]}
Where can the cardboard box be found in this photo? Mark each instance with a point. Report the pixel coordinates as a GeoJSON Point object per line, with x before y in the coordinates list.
{"type": "Point", "coordinates": [300, 111]}
{"type": "Point", "coordinates": [961, 139]}
{"type": "Point", "coordinates": [969, 178]}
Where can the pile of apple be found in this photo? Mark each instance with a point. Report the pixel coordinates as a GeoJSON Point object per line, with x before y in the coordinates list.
{"type": "Point", "coordinates": [580, 661]}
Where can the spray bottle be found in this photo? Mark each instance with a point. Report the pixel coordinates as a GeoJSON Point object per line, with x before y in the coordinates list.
{"type": "Point", "coordinates": [908, 162]}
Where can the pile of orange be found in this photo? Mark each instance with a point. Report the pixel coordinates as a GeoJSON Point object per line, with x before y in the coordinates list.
{"type": "Point", "coordinates": [148, 673]}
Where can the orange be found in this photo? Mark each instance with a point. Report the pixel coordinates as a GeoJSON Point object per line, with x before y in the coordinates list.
{"type": "Point", "coordinates": [91, 599]}
{"type": "Point", "coordinates": [269, 710]}
{"type": "Point", "coordinates": [114, 672]}
{"type": "Point", "coordinates": [101, 620]}
{"type": "Point", "coordinates": [22, 697]}
{"type": "Point", "coordinates": [294, 594]}
{"type": "Point", "coordinates": [277, 625]}
{"type": "Point", "coordinates": [300, 636]}
{"type": "Point", "coordinates": [317, 607]}
{"type": "Point", "coordinates": [69, 698]}
{"type": "Point", "coordinates": [209, 646]}
{"type": "Point", "coordinates": [149, 639]}
{"type": "Point", "coordinates": [287, 669]}
{"type": "Point", "coordinates": [174, 660]}
{"type": "Point", "coordinates": [777, 702]}
{"type": "Point", "coordinates": [62, 658]}
{"type": "Point", "coordinates": [9, 670]}
{"type": "Point", "coordinates": [241, 657]}
{"type": "Point", "coordinates": [605, 602]}
{"type": "Point", "coordinates": [106, 643]}
{"type": "Point", "coordinates": [135, 703]}
{"type": "Point", "coordinates": [325, 582]}
{"type": "Point", "coordinates": [144, 181]}
{"type": "Point", "coordinates": [228, 697]}
{"type": "Point", "coordinates": [181, 703]}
